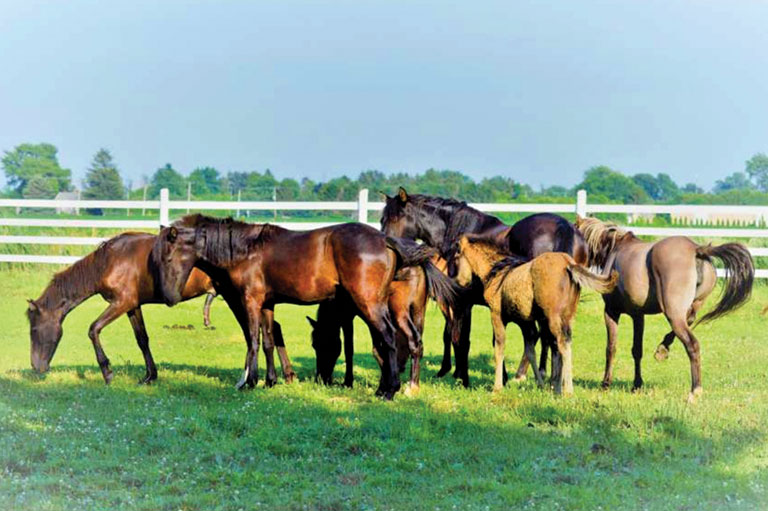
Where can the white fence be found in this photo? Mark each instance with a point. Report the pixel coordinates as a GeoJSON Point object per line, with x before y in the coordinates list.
{"type": "Point", "coordinates": [698, 214]}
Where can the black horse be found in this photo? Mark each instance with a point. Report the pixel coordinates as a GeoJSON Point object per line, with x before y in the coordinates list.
{"type": "Point", "coordinates": [440, 222]}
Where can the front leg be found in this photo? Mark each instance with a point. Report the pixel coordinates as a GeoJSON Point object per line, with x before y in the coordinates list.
{"type": "Point", "coordinates": [638, 323]}
{"type": "Point", "coordinates": [253, 309]}
{"type": "Point", "coordinates": [142, 339]}
{"type": "Point", "coordinates": [499, 335]}
{"type": "Point", "coordinates": [347, 326]}
{"type": "Point", "coordinates": [267, 331]}
{"type": "Point", "coordinates": [612, 331]}
{"type": "Point", "coordinates": [108, 316]}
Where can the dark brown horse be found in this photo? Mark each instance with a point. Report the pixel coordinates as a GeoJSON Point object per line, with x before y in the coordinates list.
{"type": "Point", "coordinates": [408, 295]}
{"type": "Point", "coordinates": [440, 223]}
{"type": "Point", "coordinates": [119, 270]}
{"type": "Point", "coordinates": [256, 266]}
{"type": "Point", "coordinates": [672, 276]}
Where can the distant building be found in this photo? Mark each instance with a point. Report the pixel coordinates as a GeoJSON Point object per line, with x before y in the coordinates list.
{"type": "Point", "coordinates": [74, 195]}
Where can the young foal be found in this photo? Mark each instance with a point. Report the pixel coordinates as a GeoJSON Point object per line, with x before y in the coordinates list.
{"type": "Point", "coordinates": [408, 294]}
{"type": "Point", "coordinates": [545, 289]}
{"type": "Point", "coordinates": [673, 276]}
{"type": "Point", "coordinates": [119, 271]}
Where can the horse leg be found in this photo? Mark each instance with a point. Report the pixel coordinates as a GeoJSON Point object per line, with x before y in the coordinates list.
{"type": "Point", "coordinates": [499, 335]}
{"type": "Point", "coordinates": [142, 339]}
{"type": "Point", "coordinates": [545, 348]}
{"type": "Point", "coordinates": [684, 333]}
{"type": "Point", "coordinates": [383, 334]}
{"type": "Point", "coordinates": [612, 331]}
{"type": "Point", "coordinates": [562, 334]}
{"type": "Point", "coordinates": [662, 350]}
{"type": "Point", "coordinates": [285, 363]}
{"type": "Point", "coordinates": [530, 336]}
{"type": "Point", "coordinates": [522, 368]}
{"type": "Point", "coordinates": [462, 349]}
{"type": "Point", "coordinates": [445, 367]}
{"type": "Point", "coordinates": [267, 331]}
{"type": "Point", "coordinates": [250, 324]}
{"type": "Point", "coordinates": [207, 309]}
{"type": "Point", "coordinates": [348, 329]}
{"type": "Point", "coordinates": [416, 349]}
{"type": "Point", "coordinates": [638, 323]}
{"type": "Point", "coordinates": [112, 312]}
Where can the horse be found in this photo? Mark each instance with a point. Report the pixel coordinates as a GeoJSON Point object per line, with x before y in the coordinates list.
{"type": "Point", "coordinates": [408, 295]}
{"type": "Point", "coordinates": [440, 222]}
{"type": "Point", "coordinates": [256, 266]}
{"type": "Point", "coordinates": [119, 270]}
{"type": "Point", "coordinates": [545, 289]}
{"type": "Point", "coordinates": [672, 276]}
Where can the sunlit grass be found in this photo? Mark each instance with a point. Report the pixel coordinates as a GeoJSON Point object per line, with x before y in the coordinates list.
{"type": "Point", "coordinates": [191, 441]}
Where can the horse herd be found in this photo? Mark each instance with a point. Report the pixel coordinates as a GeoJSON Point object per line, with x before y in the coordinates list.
{"type": "Point", "coordinates": [530, 273]}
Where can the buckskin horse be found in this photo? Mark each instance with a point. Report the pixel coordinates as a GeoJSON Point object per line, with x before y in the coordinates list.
{"type": "Point", "coordinates": [407, 300]}
{"type": "Point", "coordinates": [119, 270]}
{"type": "Point", "coordinates": [440, 222]}
{"type": "Point", "coordinates": [545, 289]}
{"type": "Point", "coordinates": [256, 266]}
{"type": "Point", "coordinates": [672, 276]}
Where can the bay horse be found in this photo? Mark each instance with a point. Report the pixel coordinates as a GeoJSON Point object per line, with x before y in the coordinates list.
{"type": "Point", "coordinates": [440, 222]}
{"type": "Point", "coordinates": [119, 270]}
{"type": "Point", "coordinates": [407, 301]}
{"type": "Point", "coordinates": [256, 266]}
{"type": "Point", "coordinates": [545, 289]}
{"type": "Point", "coordinates": [672, 276]}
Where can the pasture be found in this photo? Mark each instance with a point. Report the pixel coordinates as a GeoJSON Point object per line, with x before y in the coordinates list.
{"type": "Point", "coordinates": [191, 441]}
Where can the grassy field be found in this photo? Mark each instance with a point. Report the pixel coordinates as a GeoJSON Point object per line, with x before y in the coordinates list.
{"type": "Point", "coordinates": [191, 441]}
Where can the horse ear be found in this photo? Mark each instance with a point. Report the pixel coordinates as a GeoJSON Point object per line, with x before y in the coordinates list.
{"type": "Point", "coordinates": [387, 197]}
{"type": "Point", "coordinates": [312, 322]}
{"type": "Point", "coordinates": [172, 234]}
{"type": "Point", "coordinates": [402, 195]}
{"type": "Point", "coordinates": [32, 305]}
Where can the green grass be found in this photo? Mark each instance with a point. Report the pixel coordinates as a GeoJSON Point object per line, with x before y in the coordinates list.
{"type": "Point", "coordinates": [191, 441]}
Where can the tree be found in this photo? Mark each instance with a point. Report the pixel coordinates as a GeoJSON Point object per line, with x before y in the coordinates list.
{"type": "Point", "coordinates": [736, 181]}
{"type": "Point", "coordinates": [605, 182]}
{"type": "Point", "coordinates": [659, 188]}
{"type": "Point", "coordinates": [102, 180]}
{"type": "Point", "coordinates": [692, 188]}
{"type": "Point", "coordinates": [167, 177]}
{"type": "Point", "coordinates": [757, 169]}
{"type": "Point", "coordinates": [40, 187]}
{"type": "Point", "coordinates": [205, 181]}
{"type": "Point", "coordinates": [28, 161]}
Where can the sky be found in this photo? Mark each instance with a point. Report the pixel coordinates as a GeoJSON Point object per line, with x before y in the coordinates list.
{"type": "Point", "coordinates": [537, 91]}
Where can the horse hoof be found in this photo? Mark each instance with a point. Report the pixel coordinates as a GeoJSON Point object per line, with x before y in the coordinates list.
{"type": "Point", "coordinates": [605, 385]}
{"type": "Point", "coordinates": [270, 383]}
{"type": "Point", "coordinates": [348, 384]}
{"type": "Point", "coordinates": [411, 391]}
{"type": "Point", "coordinates": [694, 395]}
{"type": "Point", "coordinates": [108, 377]}
{"type": "Point", "coordinates": [520, 378]}
{"type": "Point", "coordinates": [443, 371]}
{"type": "Point", "coordinates": [290, 378]}
{"type": "Point", "coordinates": [662, 353]}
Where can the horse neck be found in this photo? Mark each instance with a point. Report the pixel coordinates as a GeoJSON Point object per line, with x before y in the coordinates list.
{"type": "Point", "coordinates": [482, 263]}
{"type": "Point", "coordinates": [67, 291]}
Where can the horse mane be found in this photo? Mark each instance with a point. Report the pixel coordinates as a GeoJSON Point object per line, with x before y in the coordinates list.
{"type": "Point", "coordinates": [459, 218]}
{"type": "Point", "coordinates": [500, 268]}
{"type": "Point", "coordinates": [79, 280]}
{"type": "Point", "coordinates": [226, 240]}
{"type": "Point", "coordinates": [601, 238]}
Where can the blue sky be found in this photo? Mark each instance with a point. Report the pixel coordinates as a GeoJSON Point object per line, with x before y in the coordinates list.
{"type": "Point", "coordinates": [538, 91]}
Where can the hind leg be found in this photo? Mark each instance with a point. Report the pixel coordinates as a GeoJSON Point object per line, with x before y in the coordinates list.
{"type": "Point", "coordinates": [347, 327]}
{"type": "Point", "coordinates": [530, 336]}
{"type": "Point", "coordinates": [499, 334]}
{"type": "Point", "coordinates": [383, 336]}
{"type": "Point", "coordinates": [285, 363]}
{"type": "Point", "coordinates": [612, 331]}
{"type": "Point", "coordinates": [684, 333]}
{"type": "Point", "coordinates": [662, 350]}
{"type": "Point", "coordinates": [638, 324]}
{"type": "Point", "coordinates": [207, 309]}
{"type": "Point", "coordinates": [445, 367]}
{"type": "Point", "coordinates": [267, 331]}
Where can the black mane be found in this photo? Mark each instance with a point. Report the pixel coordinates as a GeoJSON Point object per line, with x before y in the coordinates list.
{"type": "Point", "coordinates": [457, 219]}
{"type": "Point", "coordinates": [226, 240]}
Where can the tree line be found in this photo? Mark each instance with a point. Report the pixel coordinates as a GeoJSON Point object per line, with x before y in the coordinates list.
{"type": "Point", "coordinates": [33, 171]}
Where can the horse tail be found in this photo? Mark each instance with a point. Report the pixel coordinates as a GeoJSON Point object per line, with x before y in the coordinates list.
{"type": "Point", "coordinates": [739, 276]}
{"type": "Point", "coordinates": [409, 253]}
{"type": "Point", "coordinates": [603, 284]}
{"type": "Point", "coordinates": [506, 265]}
{"type": "Point", "coordinates": [564, 235]}
{"type": "Point", "coordinates": [441, 288]}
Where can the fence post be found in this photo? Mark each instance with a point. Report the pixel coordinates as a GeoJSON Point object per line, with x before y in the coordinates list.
{"type": "Point", "coordinates": [362, 206]}
{"type": "Point", "coordinates": [581, 203]}
{"type": "Point", "coordinates": [164, 207]}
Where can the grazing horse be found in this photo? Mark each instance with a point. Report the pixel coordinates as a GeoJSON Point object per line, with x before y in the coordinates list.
{"type": "Point", "coordinates": [544, 290]}
{"type": "Point", "coordinates": [119, 270]}
{"type": "Point", "coordinates": [672, 276]}
{"type": "Point", "coordinates": [256, 266]}
{"type": "Point", "coordinates": [408, 294]}
{"type": "Point", "coordinates": [440, 222]}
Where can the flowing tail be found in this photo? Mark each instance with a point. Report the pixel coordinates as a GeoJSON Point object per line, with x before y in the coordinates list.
{"type": "Point", "coordinates": [409, 253]}
{"type": "Point", "coordinates": [603, 284]}
{"type": "Point", "coordinates": [739, 275]}
{"type": "Point", "coordinates": [441, 288]}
